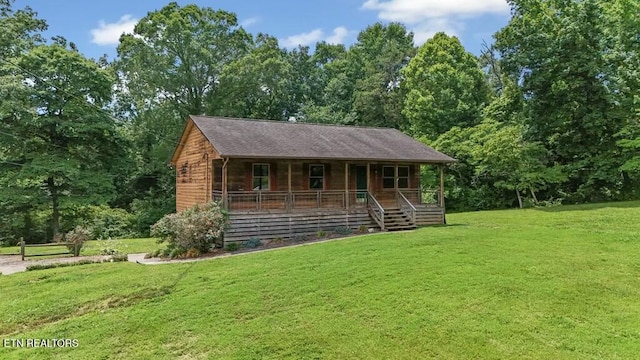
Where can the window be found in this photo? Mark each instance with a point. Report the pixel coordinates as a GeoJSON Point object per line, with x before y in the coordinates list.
{"type": "Point", "coordinates": [316, 177]}
{"type": "Point", "coordinates": [388, 177]}
{"type": "Point", "coordinates": [403, 177]}
{"type": "Point", "coordinates": [260, 177]}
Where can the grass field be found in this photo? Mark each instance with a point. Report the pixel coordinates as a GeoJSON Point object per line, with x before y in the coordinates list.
{"type": "Point", "coordinates": [127, 246]}
{"type": "Point", "coordinates": [557, 283]}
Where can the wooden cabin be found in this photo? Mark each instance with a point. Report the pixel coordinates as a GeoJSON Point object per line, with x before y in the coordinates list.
{"type": "Point", "coordinates": [281, 179]}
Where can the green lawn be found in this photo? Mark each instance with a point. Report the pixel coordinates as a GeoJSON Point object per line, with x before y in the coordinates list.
{"type": "Point", "coordinates": [557, 283]}
{"type": "Point", "coordinates": [127, 246]}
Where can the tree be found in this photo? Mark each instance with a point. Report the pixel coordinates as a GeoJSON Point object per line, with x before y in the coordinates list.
{"type": "Point", "coordinates": [20, 32]}
{"type": "Point", "coordinates": [257, 85]}
{"type": "Point", "coordinates": [178, 54]}
{"type": "Point", "coordinates": [555, 50]}
{"type": "Point", "coordinates": [169, 68]}
{"type": "Point", "coordinates": [381, 52]}
{"type": "Point", "coordinates": [445, 87]}
{"type": "Point", "coordinates": [622, 58]}
{"type": "Point", "coordinates": [61, 151]}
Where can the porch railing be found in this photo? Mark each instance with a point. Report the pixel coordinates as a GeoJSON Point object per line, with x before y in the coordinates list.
{"type": "Point", "coordinates": [406, 206]}
{"type": "Point", "coordinates": [358, 199]}
{"type": "Point", "coordinates": [318, 199]}
{"type": "Point", "coordinates": [216, 195]}
{"type": "Point", "coordinates": [421, 196]}
{"type": "Point", "coordinates": [295, 200]}
{"type": "Point", "coordinates": [376, 210]}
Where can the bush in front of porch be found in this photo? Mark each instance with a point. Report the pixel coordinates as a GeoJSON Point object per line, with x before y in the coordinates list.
{"type": "Point", "coordinates": [193, 231]}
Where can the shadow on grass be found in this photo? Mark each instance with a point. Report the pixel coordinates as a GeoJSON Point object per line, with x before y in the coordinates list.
{"type": "Point", "coordinates": [595, 206]}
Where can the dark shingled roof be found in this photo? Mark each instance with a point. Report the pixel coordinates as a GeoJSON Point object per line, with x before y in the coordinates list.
{"type": "Point", "coordinates": [244, 138]}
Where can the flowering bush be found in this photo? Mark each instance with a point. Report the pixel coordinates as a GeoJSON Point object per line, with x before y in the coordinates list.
{"type": "Point", "coordinates": [75, 239]}
{"type": "Point", "coordinates": [197, 228]}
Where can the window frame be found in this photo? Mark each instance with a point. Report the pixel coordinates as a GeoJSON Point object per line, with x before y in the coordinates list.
{"type": "Point", "coordinates": [384, 177]}
{"type": "Point", "coordinates": [254, 177]}
{"type": "Point", "coordinates": [396, 177]}
{"type": "Point", "coordinates": [317, 177]}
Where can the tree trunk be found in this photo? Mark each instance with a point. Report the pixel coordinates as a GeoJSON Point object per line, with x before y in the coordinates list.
{"type": "Point", "coordinates": [533, 195]}
{"type": "Point", "coordinates": [55, 208]}
{"type": "Point", "coordinates": [519, 198]}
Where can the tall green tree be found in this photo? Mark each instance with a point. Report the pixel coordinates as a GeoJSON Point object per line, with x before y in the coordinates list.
{"type": "Point", "coordinates": [169, 68]}
{"type": "Point", "coordinates": [21, 31]}
{"type": "Point", "coordinates": [332, 103]}
{"type": "Point", "coordinates": [445, 87]}
{"type": "Point", "coordinates": [556, 51]}
{"type": "Point", "coordinates": [381, 52]}
{"type": "Point", "coordinates": [178, 54]}
{"type": "Point", "coordinates": [361, 85]}
{"type": "Point", "coordinates": [622, 56]}
{"type": "Point", "coordinates": [258, 84]}
{"type": "Point", "coordinates": [60, 154]}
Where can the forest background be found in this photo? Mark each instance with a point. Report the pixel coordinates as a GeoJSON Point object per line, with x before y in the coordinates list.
{"type": "Point", "coordinates": [547, 114]}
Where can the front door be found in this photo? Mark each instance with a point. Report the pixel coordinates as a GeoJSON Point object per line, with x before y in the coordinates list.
{"type": "Point", "coordinates": [361, 184]}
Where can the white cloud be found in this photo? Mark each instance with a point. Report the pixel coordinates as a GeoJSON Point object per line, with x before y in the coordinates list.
{"type": "Point", "coordinates": [248, 22]}
{"type": "Point", "coordinates": [415, 11]}
{"type": "Point", "coordinates": [427, 17]}
{"type": "Point", "coordinates": [338, 36]}
{"type": "Point", "coordinates": [304, 39]}
{"type": "Point", "coordinates": [109, 34]}
{"type": "Point", "coordinates": [426, 29]}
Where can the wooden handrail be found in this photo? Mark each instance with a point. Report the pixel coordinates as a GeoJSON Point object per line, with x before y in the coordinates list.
{"type": "Point", "coordinates": [375, 208]}
{"type": "Point", "coordinates": [403, 202]}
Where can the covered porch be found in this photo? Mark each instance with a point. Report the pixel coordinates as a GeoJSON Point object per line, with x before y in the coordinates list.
{"type": "Point", "coordinates": [390, 192]}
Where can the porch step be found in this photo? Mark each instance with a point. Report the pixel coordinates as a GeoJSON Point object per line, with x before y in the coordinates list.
{"type": "Point", "coordinates": [395, 219]}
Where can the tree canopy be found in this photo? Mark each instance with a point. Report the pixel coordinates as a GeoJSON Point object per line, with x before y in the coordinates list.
{"type": "Point", "coordinates": [548, 112]}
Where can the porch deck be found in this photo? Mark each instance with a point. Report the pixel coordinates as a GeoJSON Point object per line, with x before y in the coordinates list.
{"type": "Point", "coordinates": [278, 214]}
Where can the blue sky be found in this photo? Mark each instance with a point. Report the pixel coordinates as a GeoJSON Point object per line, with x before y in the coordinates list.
{"type": "Point", "coordinates": [95, 26]}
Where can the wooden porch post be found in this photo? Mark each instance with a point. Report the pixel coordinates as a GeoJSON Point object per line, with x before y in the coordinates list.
{"type": "Point", "coordinates": [346, 185]}
{"type": "Point", "coordinates": [395, 177]}
{"type": "Point", "coordinates": [212, 181]}
{"type": "Point", "coordinates": [289, 196]}
{"type": "Point", "coordinates": [441, 200]}
{"type": "Point", "coordinates": [225, 201]}
{"type": "Point", "coordinates": [368, 177]}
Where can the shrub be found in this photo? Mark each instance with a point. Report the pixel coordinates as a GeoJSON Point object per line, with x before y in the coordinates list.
{"type": "Point", "coordinates": [299, 238]}
{"type": "Point", "coordinates": [321, 233]}
{"type": "Point", "coordinates": [155, 253]}
{"type": "Point", "coordinates": [253, 243]}
{"type": "Point", "coordinates": [111, 223]}
{"type": "Point", "coordinates": [198, 227]}
{"type": "Point", "coordinates": [119, 258]}
{"type": "Point", "coordinates": [76, 238]}
{"type": "Point", "coordinates": [343, 230]}
{"type": "Point", "coordinates": [109, 247]}
{"type": "Point", "coordinates": [191, 253]}
{"type": "Point", "coordinates": [232, 247]}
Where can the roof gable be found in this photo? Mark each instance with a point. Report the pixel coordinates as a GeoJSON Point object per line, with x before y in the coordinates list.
{"type": "Point", "coordinates": [244, 138]}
